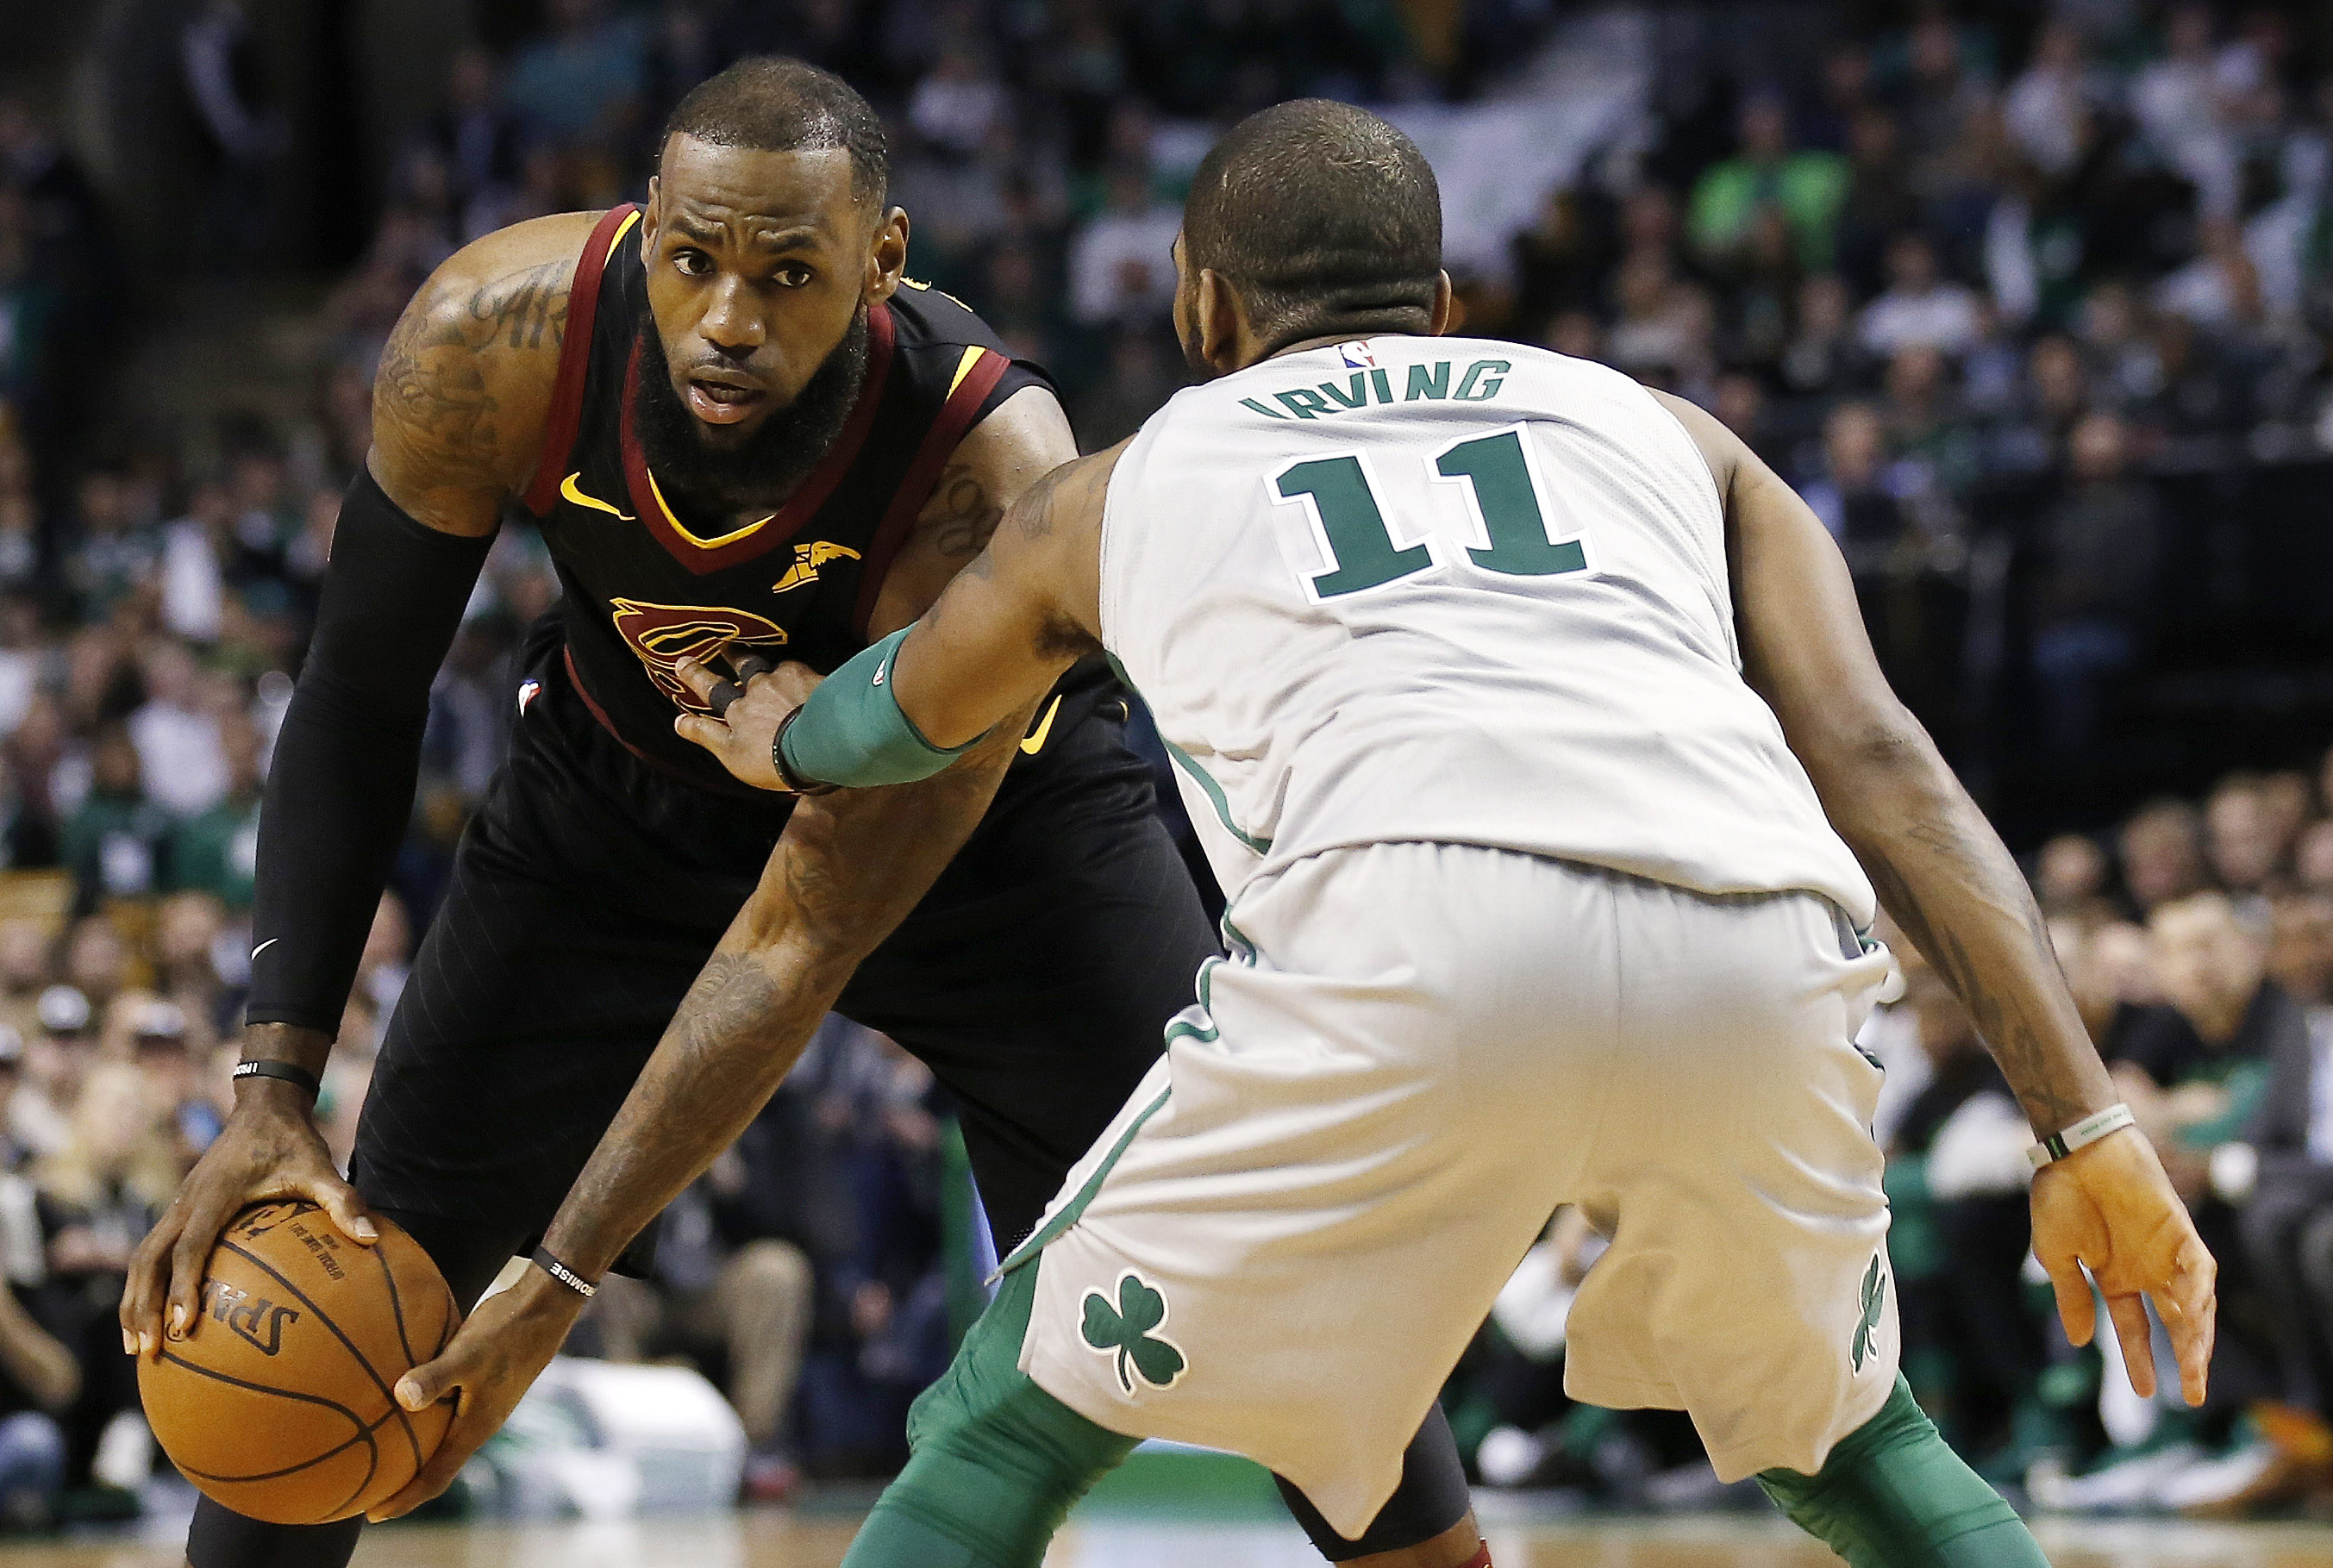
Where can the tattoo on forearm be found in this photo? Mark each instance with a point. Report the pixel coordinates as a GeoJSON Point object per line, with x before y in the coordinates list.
{"type": "Point", "coordinates": [2035, 1068]}
{"type": "Point", "coordinates": [849, 871]}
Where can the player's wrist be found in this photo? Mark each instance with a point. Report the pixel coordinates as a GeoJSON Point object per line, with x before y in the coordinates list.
{"type": "Point", "coordinates": [2080, 1137]}
{"type": "Point", "coordinates": [789, 775]}
{"type": "Point", "coordinates": [274, 1098]}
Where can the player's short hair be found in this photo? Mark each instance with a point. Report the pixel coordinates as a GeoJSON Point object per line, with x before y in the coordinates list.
{"type": "Point", "coordinates": [772, 103]}
{"type": "Point", "coordinates": [1324, 217]}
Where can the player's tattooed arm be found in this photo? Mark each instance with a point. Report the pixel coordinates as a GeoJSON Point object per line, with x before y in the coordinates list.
{"type": "Point", "coordinates": [1022, 439]}
{"type": "Point", "coordinates": [847, 869]}
{"type": "Point", "coordinates": [1024, 611]}
{"type": "Point", "coordinates": [464, 389]}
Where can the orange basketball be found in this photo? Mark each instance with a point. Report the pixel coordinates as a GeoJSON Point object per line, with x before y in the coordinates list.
{"type": "Point", "coordinates": [278, 1404]}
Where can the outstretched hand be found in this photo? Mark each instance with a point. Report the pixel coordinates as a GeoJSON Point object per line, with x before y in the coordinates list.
{"type": "Point", "coordinates": [747, 711]}
{"type": "Point", "coordinates": [2108, 1207]}
{"type": "Point", "coordinates": [493, 1359]}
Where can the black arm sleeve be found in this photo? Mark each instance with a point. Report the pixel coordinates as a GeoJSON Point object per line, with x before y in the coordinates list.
{"type": "Point", "coordinates": [339, 789]}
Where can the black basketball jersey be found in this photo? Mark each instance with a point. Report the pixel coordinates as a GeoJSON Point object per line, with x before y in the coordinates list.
{"type": "Point", "coordinates": [645, 587]}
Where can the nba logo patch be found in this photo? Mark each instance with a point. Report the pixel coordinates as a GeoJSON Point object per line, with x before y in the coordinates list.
{"type": "Point", "coordinates": [528, 691]}
{"type": "Point", "coordinates": [1357, 355]}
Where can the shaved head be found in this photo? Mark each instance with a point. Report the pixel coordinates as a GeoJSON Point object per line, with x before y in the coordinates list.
{"type": "Point", "coordinates": [1324, 218]}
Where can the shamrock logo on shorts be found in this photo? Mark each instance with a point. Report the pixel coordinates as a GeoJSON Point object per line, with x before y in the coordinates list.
{"type": "Point", "coordinates": [1874, 1297]}
{"type": "Point", "coordinates": [1125, 1331]}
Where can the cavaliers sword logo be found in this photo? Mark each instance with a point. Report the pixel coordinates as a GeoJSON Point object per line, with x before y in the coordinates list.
{"type": "Point", "coordinates": [663, 634]}
{"type": "Point", "coordinates": [808, 559]}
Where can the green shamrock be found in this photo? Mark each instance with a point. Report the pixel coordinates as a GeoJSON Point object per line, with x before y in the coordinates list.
{"type": "Point", "coordinates": [1875, 1297]}
{"type": "Point", "coordinates": [1126, 1329]}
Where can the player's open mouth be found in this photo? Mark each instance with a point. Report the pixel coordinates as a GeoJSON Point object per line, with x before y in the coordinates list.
{"type": "Point", "coordinates": [721, 402]}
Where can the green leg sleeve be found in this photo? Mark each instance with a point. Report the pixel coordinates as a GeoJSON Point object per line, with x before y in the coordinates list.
{"type": "Point", "coordinates": [998, 1462]}
{"type": "Point", "coordinates": [1893, 1496]}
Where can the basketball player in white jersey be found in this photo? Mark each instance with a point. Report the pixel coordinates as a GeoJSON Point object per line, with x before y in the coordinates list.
{"type": "Point", "coordinates": [1539, 750]}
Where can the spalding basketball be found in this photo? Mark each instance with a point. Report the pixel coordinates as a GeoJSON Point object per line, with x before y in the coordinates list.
{"type": "Point", "coordinates": [279, 1404]}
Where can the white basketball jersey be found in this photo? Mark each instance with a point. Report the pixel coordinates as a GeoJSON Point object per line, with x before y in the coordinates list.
{"type": "Point", "coordinates": [1455, 591]}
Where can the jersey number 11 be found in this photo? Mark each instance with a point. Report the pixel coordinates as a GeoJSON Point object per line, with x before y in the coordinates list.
{"type": "Point", "coordinates": [1507, 499]}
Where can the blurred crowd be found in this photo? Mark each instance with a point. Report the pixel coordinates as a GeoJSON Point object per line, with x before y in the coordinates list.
{"type": "Point", "coordinates": [2051, 254]}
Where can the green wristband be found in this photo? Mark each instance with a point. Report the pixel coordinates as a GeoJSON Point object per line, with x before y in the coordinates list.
{"type": "Point", "coordinates": [851, 733]}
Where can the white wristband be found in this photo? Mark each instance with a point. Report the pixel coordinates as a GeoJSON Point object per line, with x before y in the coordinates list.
{"type": "Point", "coordinates": [2080, 1135]}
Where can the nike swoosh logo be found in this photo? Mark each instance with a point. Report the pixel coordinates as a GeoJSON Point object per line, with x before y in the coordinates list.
{"type": "Point", "coordinates": [567, 488]}
{"type": "Point", "coordinates": [264, 946]}
{"type": "Point", "coordinates": [881, 670]}
{"type": "Point", "coordinates": [1035, 742]}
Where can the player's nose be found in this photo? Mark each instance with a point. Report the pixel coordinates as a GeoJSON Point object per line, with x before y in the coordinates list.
{"type": "Point", "coordinates": [730, 322]}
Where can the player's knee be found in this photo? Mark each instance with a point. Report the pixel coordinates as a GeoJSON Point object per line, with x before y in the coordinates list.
{"type": "Point", "coordinates": [992, 1477]}
{"type": "Point", "coordinates": [1893, 1495]}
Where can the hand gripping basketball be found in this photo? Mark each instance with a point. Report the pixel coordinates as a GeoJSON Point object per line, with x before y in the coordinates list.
{"type": "Point", "coordinates": [492, 1361]}
{"type": "Point", "coordinates": [745, 712]}
{"type": "Point", "coordinates": [269, 1149]}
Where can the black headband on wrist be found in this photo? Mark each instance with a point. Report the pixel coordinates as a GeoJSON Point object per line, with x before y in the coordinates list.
{"type": "Point", "coordinates": [542, 1259]}
{"type": "Point", "coordinates": [290, 1071]}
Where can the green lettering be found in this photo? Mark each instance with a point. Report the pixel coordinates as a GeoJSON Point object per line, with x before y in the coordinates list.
{"type": "Point", "coordinates": [1359, 388]}
{"type": "Point", "coordinates": [1260, 408]}
{"type": "Point", "coordinates": [1422, 384]}
{"type": "Point", "coordinates": [1304, 403]}
{"type": "Point", "coordinates": [1494, 369]}
{"type": "Point", "coordinates": [1385, 387]}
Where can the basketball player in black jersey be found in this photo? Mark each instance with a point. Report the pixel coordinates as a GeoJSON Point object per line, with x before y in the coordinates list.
{"type": "Point", "coordinates": [741, 429]}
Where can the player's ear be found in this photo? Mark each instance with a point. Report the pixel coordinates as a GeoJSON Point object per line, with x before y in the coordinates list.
{"type": "Point", "coordinates": [1221, 320]}
{"type": "Point", "coordinates": [886, 261]}
{"type": "Point", "coordinates": [1442, 315]}
{"type": "Point", "coordinates": [649, 217]}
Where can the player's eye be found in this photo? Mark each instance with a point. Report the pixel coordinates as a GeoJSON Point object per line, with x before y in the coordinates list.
{"type": "Point", "coordinates": [695, 263]}
{"type": "Point", "coordinates": [793, 275]}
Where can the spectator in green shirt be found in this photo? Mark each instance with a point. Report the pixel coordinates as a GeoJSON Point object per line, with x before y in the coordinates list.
{"type": "Point", "coordinates": [214, 852]}
{"type": "Point", "coordinates": [118, 841]}
{"type": "Point", "coordinates": [1808, 186]}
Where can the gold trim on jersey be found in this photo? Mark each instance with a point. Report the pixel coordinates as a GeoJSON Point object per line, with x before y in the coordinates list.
{"type": "Point", "coordinates": [963, 366]}
{"type": "Point", "coordinates": [621, 230]}
{"type": "Point", "coordinates": [716, 543]}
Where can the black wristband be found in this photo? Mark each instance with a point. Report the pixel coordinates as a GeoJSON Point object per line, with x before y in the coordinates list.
{"type": "Point", "coordinates": [786, 775]}
{"type": "Point", "coordinates": [290, 1071]}
{"type": "Point", "coordinates": [542, 1259]}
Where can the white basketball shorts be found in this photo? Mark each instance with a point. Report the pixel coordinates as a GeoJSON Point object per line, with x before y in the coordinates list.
{"type": "Point", "coordinates": [1414, 1054]}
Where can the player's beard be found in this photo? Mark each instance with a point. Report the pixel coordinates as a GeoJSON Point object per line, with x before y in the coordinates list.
{"type": "Point", "coordinates": [756, 474]}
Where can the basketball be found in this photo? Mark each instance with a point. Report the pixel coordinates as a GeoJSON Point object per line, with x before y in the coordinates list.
{"type": "Point", "coordinates": [279, 1403]}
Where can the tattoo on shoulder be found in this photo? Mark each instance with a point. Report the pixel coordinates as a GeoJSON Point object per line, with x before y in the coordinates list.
{"type": "Point", "coordinates": [527, 310]}
{"type": "Point", "coordinates": [431, 384]}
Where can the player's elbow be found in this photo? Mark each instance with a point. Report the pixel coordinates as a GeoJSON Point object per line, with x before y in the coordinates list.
{"type": "Point", "coordinates": [1867, 767]}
